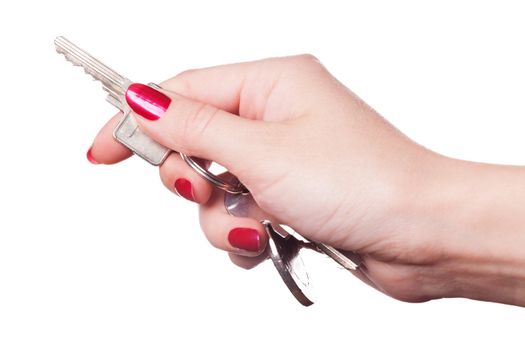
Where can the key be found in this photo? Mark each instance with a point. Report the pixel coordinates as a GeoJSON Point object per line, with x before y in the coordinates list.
{"type": "Point", "coordinates": [127, 131]}
{"type": "Point", "coordinates": [243, 205]}
{"type": "Point", "coordinates": [285, 246]}
{"type": "Point", "coordinates": [284, 243]}
{"type": "Point", "coordinates": [286, 257]}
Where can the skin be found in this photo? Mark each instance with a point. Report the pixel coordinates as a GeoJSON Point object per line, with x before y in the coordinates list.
{"type": "Point", "coordinates": [318, 158]}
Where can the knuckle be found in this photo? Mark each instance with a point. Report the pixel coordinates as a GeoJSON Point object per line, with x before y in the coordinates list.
{"type": "Point", "coordinates": [182, 82]}
{"type": "Point", "coordinates": [196, 122]}
{"type": "Point", "coordinates": [163, 172]}
{"type": "Point", "coordinates": [297, 61]}
{"type": "Point", "coordinates": [304, 63]}
{"type": "Point", "coordinates": [168, 171]}
{"type": "Point", "coordinates": [185, 73]}
{"type": "Point", "coordinates": [308, 59]}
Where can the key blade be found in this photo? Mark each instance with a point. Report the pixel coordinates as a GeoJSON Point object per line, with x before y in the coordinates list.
{"type": "Point", "coordinates": [114, 83]}
{"type": "Point", "coordinates": [349, 261]}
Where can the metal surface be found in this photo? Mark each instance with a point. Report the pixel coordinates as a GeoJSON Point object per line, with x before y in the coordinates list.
{"type": "Point", "coordinates": [234, 187]}
{"type": "Point", "coordinates": [349, 260]}
{"type": "Point", "coordinates": [127, 131]}
{"type": "Point", "coordinates": [114, 83]}
{"type": "Point", "coordinates": [244, 206]}
{"type": "Point", "coordinates": [130, 135]}
{"type": "Point", "coordinates": [285, 256]}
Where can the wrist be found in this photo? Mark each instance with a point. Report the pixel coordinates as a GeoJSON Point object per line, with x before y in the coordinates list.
{"type": "Point", "coordinates": [474, 217]}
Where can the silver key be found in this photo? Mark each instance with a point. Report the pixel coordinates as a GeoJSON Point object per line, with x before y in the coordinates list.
{"type": "Point", "coordinates": [127, 131]}
{"type": "Point", "coordinates": [243, 205]}
{"type": "Point", "coordinates": [286, 257]}
{"type": "Point", "coordinates": [285, 247]}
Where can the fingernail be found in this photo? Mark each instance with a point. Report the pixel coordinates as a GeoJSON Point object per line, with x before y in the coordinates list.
{"type": "Point", "coordinates": [90, 158]}
{"type": "Point", "coordinates": [185, 189]}
{"type": "Point", "coordinates": [245, 238]}
{"type": "Point", "coordinates": [146, 101]}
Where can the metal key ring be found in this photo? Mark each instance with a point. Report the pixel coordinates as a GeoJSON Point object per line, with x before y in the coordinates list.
{"type": "Point", "coordinates": [233, 188]}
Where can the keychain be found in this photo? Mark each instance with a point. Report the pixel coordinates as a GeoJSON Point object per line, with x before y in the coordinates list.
{"type": "Point", "coordinates": [285, 245]}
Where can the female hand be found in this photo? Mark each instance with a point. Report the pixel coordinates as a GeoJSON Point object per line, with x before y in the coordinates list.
{"type": "Point", "coordinates": [320, 160]}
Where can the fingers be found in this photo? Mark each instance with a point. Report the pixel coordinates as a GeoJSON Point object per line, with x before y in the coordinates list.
{"type": "Point", "coordinates": [244, 238]}
{"type": "Point", "coordinates": [105, 149]}
{"type": "Point", "coordinates": [247, 262]}
{"type": "Point", "coordinates": [220, 86]}
{"type": "Point", "coordinates": [200, 129]}
{"type": "Point", "coordinates": [179, 178]}
{"type": "Point", "coordinates": [241, 236]}
{"type": "Point", "coordinates": [240, 88]}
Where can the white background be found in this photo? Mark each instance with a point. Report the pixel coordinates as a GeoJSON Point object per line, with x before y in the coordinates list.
{"type": "Point", "coordinates": [103, 257]}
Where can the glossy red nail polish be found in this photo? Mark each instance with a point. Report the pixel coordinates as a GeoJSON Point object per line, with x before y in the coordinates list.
{"type": "Point", "coordinates": [90, 158]}
{"type": "Point", "coordinates": [146, 101]}
{"type": "Point", "coordinates": [185, 189]}
{"type": "Point", "coordinates": [245, 238]}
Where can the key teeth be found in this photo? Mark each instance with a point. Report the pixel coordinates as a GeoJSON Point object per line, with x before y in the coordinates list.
{"type": "Point", "coordinates": [111, 79]}
{"type": "Point", "coordinates": [59, 43]}
{"type": "Point", "coordinates": [85, 69]}
{"type": "Point", "coordinates": [74, 63]}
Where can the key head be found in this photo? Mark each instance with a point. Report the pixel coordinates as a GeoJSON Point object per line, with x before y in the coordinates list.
{"type": "Point", "coordinates": [129, 134]}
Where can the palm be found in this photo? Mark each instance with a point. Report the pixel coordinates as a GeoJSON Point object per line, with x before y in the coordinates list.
{"type": "Point", "coordinates": [300, 192]}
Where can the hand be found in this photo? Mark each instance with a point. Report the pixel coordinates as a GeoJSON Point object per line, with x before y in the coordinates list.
{"type": "Point", "coordinates": [314, 156]}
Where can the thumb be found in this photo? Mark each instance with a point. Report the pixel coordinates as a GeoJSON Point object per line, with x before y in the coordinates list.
{"type": "Point", "coordinates": [198, 129]}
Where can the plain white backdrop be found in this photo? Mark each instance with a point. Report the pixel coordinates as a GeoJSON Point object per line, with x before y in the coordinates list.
{"type": "Point", "coordinates": [103, 257]}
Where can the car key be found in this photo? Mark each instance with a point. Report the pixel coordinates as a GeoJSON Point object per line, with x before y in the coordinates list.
{"type": "Point", "coordinates": [127, 131]}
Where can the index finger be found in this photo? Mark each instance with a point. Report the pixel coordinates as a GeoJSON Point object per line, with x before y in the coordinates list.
{"type": "Point", "coordinates": [105, 149]}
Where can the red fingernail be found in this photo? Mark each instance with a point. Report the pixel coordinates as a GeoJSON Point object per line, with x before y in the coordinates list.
{"type": "Point", "coordinates": [146, 101]}
{"type": "Point", "coordinates": [89, 157]}
{"type": "Point", "coordinates": [185, 189]}
{"type": "Point", "coordinates": [245, 238]}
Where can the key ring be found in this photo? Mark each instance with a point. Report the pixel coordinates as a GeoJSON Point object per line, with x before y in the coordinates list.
{"type": "Point", "coordinates": [237, 188]}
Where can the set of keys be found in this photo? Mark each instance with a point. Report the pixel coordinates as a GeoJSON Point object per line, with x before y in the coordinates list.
{"type": "Point", "coordinates": [285, 245]}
